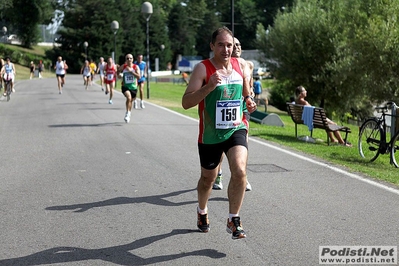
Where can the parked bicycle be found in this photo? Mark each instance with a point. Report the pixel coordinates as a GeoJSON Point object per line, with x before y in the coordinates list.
{"type": "Point", "coordinates": [373, 135]}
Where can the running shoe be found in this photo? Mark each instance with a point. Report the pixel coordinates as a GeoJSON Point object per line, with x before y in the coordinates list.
{"type": "Point", "coordinates": [135, 104]}
{"type": "Point", "coordinates": [235, 228]}
{"type": "Point", "coordinates": [203, 222]}
{"type": "Point", "coordinates": [248, 187]}
{"type": "Point", "coordinates": [106, 92]}
{"type": "Point", "coordinates": [110, 101]}
{"type": "Point", "coordinates": [142, 105]}
{"type": "Point", "coordinates": [218, 185]}
{"type": "Point", "coordinates": [127, 118]}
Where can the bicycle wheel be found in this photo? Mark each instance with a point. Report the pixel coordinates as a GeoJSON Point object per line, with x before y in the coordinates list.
{"type": "Point", "coordinates": [8, 91]}
{"type": "Point", "coordinates": [395, 150]}
{"type": "Point", "coordinates": [370, 138]}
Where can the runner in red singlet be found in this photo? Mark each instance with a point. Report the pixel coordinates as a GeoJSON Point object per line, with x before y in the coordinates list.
{"type": "Point", "coordinates": [110, 70]}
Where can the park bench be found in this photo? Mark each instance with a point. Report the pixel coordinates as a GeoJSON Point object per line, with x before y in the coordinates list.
{"type": "Point", "coordinates": [319, 121]}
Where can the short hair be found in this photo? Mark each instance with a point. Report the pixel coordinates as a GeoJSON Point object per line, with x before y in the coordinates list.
{"type": "Point", "coordinates": [299, 90]}
{"type": "Point", "coordinates": [220, 30]}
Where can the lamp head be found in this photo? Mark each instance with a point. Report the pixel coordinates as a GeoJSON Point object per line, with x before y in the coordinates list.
{"type": "Point", "coordinates": [146, 8]}
{"type": "Point", "coordinates": [115, 26]}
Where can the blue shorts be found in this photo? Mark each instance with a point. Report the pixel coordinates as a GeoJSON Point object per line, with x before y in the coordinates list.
{"type": "Point", "coordinates": [141, 80]}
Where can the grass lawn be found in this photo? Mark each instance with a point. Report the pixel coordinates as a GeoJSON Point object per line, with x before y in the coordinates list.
{"type": "Point", "coordinates": [169, 95]}
{"type": "Point", "coordinates": [24, 73]}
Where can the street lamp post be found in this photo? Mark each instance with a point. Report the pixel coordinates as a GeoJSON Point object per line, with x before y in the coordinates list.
{"type": "Point", "coordinates": [146, 9]}
{"type": "Point", "coordinates": [114, 28]}
{"type": "Point", "coordinates": [161, 56]}
{"type": "Point", "coordinates": [4, 34]}
{"type": "Point", "coordinates": [232, 16]}
{"type": "Point", "coordinates": [85, 45]}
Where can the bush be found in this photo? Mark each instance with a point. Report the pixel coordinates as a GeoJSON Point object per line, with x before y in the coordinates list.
{"type": "Point", "coordinates": [278, 95]}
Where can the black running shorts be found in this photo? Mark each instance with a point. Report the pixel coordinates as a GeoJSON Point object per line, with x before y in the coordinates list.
{"type": "Point", "coordinates": [132, 92]}
{"type": "Point", "coordinates": [210, 154]}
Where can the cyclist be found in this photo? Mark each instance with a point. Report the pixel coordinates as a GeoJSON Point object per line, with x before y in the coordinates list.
{"type": "Point", "coordinates": [8, 73]}
{"type": "Point", "coordinates": [1, 66]}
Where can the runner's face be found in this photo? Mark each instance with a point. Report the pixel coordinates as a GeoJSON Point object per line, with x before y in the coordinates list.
{"type": "Point", "coordinates": [129, 59]}
{"type": "Point", "coordinates": [223, 47]}
{"type": "Point", "coordinates": [236, 48]}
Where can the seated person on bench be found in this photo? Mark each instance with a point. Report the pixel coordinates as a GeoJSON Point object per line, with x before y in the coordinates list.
{"type": "Point", "coordinates": [300, 94]}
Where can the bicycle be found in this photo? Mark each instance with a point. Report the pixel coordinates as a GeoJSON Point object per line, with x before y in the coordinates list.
{"type": "Point", "coordinates": [373, 135]}
{"type": "Point", "coordinates": [7, 87]}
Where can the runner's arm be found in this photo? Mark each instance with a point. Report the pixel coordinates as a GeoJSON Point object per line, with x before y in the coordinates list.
{"type": "Point", "coordinates": [247, 91]}
{"type": "Point", "coordinates": [196, 91]}
{"type": "Point", "coordinates": [136, 72]}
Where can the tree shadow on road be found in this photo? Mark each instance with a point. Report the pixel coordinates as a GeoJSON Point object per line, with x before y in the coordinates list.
{"type": "Point", "coordinates": [120, 255]}
{"type": "Point", "coordinates": [155, 200]}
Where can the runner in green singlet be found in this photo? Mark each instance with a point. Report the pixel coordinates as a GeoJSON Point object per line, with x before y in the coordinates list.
{"type": "Point", "coordinates": [131, 73]}
{"type": "Point", "coordinates": [218, 185]}
{"type": "Point", "coordinates": [218, 86]}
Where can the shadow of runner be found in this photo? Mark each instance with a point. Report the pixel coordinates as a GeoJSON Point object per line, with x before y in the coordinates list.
{"type": "Point", "coordinates": [155, 200]}
{"type": "Point", "coordinates": [119, 255]}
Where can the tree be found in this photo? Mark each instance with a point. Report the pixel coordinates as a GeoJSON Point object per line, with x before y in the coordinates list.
{"type": "Point", "coordinates": [300, 43]}
{"type": "Point", "coordinates": [4, 5]}
{"type": "Point", "coordinates": [344, 52]}
{"type": "Point", "coordinates": [26, 15]}
{"type": "Point", "coordinates": [89, 20]}
{"type": "Point", "coordinates": [203, 37]}
{"type": "Point", "coordinates": [82, 22]}
{"type": "Point", "coordinates": [376, 45]}
{"type": "Point", "coordinates": [181, 34]}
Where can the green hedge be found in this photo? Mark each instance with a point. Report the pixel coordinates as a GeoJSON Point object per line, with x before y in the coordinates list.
{"type": "Point", "coordinates": [21, 57]}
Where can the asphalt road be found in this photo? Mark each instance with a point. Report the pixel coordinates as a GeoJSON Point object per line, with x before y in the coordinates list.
{"type": "Point", "coordinates": [78, 186]}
